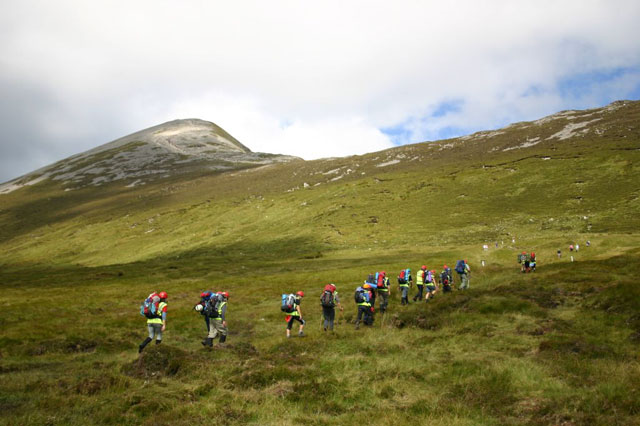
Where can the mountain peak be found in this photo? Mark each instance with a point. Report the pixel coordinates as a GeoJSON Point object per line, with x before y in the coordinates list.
{"type": "Point", "coordinates": [164, 150]}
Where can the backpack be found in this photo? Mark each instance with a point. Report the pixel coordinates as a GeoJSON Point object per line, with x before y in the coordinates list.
{"type": "Point", "coordinates": [402, 277]}
{"type": "Point", "coordinates": [359, 296]}
{"type": "Point", "coordinates": [288, 303]}
{"type": "Point", "coordinates": [327, 299]}
{"type": "Point", "coordinates": [379, 280]}
{"type": "Point", "coordinates": [372, 279]}
{"type": "Point", "coordinates": [149, 307]}
{"type": "Point", "coordinates": [460, 267]}
{"type": "Point", "coordinates": [212, 305]}
{"type": "Point", "coordinates": [444, 277]}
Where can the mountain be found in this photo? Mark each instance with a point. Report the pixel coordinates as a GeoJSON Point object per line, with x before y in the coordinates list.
{"type": "Point", "coordinates": [175, 147]}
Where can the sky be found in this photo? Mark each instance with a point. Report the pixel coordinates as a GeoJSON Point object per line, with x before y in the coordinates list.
{"type": "Point", "coordinates": [312, 79]}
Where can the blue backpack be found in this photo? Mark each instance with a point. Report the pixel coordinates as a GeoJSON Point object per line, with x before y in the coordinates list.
{"type": "Point", "coordinates": [288, 303]}
{"type": "Point", "coordinates": [149, 308]}
{"type": "Point", "coordinates": [460, 267]}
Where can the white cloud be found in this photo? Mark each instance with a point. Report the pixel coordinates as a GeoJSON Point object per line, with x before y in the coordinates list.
{"type": "Point", "coordinates": [305, 78]}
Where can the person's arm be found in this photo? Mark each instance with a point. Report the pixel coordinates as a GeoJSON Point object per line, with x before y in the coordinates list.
{"type": "Point", "coordinates": [299, 311]}
{"type": "Point", "coordinates": [164, 318]}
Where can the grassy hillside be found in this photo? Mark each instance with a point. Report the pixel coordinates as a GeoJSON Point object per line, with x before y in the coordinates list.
{"type": "Point", "coordinates": [559, 346]}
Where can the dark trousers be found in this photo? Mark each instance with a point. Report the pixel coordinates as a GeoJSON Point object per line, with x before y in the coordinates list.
{"type": "Point", "coordinates": [419, 295]}
{"type": "Point", "coordinates": [364, 314]}
{"type": "Point", "coordinates": [329, 315]}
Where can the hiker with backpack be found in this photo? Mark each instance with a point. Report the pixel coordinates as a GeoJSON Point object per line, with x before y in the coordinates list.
{"type": "Point", "coordinates": [216, 309]}
{"type": "Point", "coordinates": [420, 277]}
{"type": "Point", "coordinates": [446, 279]}
{"type": "Point", "coordinates": [154, 308]}
{"type": "Point", "coordinates": [404, 282]}
{"type": "Point", "coordinates": [362, 298]}
{"type": "Point", "coordinates": [463, 269]}
{"type": "Point", "coordinates": [291, 306]}
{"type": "Point", "coordinates": [199, 307]}
{"type": "Point", "coordinates": [430, 285]}
{"type": "Point", "coordinates": [329, 300]}
{"type": "Point", "coordinates": [383, 291]}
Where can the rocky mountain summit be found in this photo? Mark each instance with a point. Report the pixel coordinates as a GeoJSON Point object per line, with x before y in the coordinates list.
{"type": "Point", "coordinates": [175, 147]}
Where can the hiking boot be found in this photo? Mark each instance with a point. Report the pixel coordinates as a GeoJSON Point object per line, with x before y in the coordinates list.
{"type": "Point", "coordinates": [158, 342]}
{"type": "Point", "coordinates": [223, 338]}
{"type": "Point", "coordinates": [301, 334]}
{"type": "Point", "coordinates": [143, 344]}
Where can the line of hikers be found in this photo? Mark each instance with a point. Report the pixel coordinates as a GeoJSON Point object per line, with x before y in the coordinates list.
{"type": "Point", "coordinates": [213, 305]}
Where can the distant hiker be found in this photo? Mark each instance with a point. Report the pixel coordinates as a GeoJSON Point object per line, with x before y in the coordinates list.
{"type": "Point", "coordinates": [446, 279]}
{"type": "Point", "coordinates": [588, 243]}
{"type": "Point", "coordinates": [362, 298]}
{"type": "Point", "coordinates": [526, 262]}
{"type": "Point", "coordinates": [463, 269]}
{"type": "Point", "coordinates": [154, 308]}
{"type": "Point", "coordinates": [217, 310]}
{"type": "Point", "coordinates": [404, 281]}
{"type": "Point", "coordinates": [570, 247]}
{"type": "Point", "coordinates": [559, 254]}
{"type": "Point", "coordinates": [420, 277]}
{"type": "Point", "coordinates": [577, 247]}
{"type": "Point", "coordinates": [329, 300]}
{"type": "Point", "coordinates": [430, 285]}
{"type": "Point", "coordinates": [383, 291]}
{"type": "Point", "coordinates": [291, 306]}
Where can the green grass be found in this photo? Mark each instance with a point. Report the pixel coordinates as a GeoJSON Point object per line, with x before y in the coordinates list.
{"type": "Point", "coordinates": [558, 346]}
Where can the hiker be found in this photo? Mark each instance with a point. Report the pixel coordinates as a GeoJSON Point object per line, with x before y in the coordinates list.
{"type": "Point", "coordinates": [420, 277]}
{"type": "Point", "coordinates": [362, 297]}
{"type": "Point", "coordinates": [404, 282]}
{"type": "Point", "coordinates": [446, 279]}
{"type": "Point", "coordinates": [156, 321]}
{"type": "Point", "coordinates": [384, 289]}
{"type": "Point", "coordinates": [463, 269]}
{"type": "Point", "coordinates": [559, 254]}
{"type": "Point", "coordinates": [570, 247]}
{"type": "Point", "coordinates": [577, 247]}
{"type": "Point", "coordinates": [588, 243]}
{"type": "Point", "coordinates": [217, 310]}
{"type": "Point", "coordinates": [526, 262]}
{"type": "Point", "coordinates": [199, 307]}
{"type": "Point", "coordinates": [329, 300]}
{"type": "Point", "coordinates": [430, 285]}
{"type": "Point", "coordinates": [296, 315]}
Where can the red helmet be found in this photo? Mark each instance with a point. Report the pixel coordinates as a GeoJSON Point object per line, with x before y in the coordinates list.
{"type": "Point", "coordinates": [383, 273]}
{"type": "Point", "coordinates": [423, 267]}
{"type": "Point", "coordinates": [163, 295]}
{"type": "Point", "coordinates": [445, 266]}
{"type": "Point", "coordinates": [433, 271]}
{"type": "Point", "coordinates": [300, 293]}
{"type": "Point", "coordinates": [225, 294]}
{"type": "Point", "coordinates": [524, 252]}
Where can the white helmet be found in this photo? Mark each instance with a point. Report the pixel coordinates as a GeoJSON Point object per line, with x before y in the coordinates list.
{"type": "Point", "coordinates": [199, 307]}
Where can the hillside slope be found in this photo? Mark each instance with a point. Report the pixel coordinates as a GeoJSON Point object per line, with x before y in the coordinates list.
{"type": "Point", "coordinates": [554, 347]}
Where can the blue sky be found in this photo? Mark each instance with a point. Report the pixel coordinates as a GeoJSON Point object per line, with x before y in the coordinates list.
{"type": "Point", "coordinates": [313, 79]}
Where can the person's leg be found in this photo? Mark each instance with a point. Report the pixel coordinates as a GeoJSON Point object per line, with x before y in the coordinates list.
{"type": "Point", "coordinates": [222, 330]}
{"type": "Point", "coordinates": [158, 331]}
{"type": "Point", "coordinates": [360, 313]}
{"type": "Point", "coordinates": [332, 317]}
{"type": "Point", "coordinates": [289, 325]}
{"type": "Point", "coordinates": [149, 338]}
{"type": "Point", "coordinates": [302, 323]}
